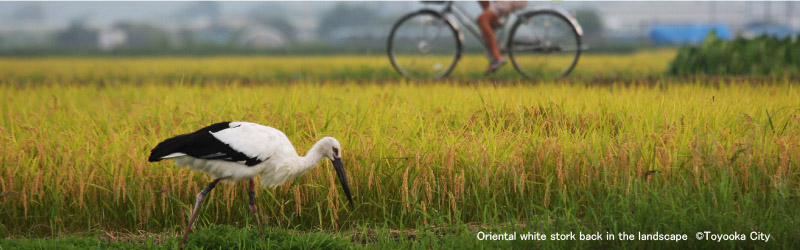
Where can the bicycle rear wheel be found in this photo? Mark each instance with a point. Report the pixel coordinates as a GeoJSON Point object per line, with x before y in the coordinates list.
{"type": "Point", "coordinates": [424, 45]}
{"type": "Point", "coordinates": [544, 44]}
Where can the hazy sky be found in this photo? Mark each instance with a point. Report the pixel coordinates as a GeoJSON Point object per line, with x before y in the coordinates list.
{"type": "Point", "coordinates": [617, 14]}
{"type": "Point", "coordinates": [60, 13]}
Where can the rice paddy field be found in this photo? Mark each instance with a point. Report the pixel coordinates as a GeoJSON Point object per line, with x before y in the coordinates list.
{"type": "Point", "coordinates": [617, 147]}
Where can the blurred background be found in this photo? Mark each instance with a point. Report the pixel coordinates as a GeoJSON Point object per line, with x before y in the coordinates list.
{"type": "Point", "coordinates": [199, 28]}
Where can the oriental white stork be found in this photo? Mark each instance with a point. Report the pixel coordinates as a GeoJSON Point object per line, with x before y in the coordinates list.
{"type": "Point", "coordinates": [235, 151]}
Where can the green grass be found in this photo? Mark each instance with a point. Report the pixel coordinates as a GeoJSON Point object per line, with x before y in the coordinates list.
{"type": "Point", "coordinates": [669, 155]}
{"type": "Point", "coordinates": [217, 237]}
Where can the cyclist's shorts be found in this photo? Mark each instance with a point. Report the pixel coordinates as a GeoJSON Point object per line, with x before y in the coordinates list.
{"type": "Point", "coordinates": [502, 8]}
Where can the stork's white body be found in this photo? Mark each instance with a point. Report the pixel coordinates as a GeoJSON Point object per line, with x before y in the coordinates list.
{"type": "Point", "coordinates": [274, 172]}
{"type": "Point", "coordinates": [280, 159]}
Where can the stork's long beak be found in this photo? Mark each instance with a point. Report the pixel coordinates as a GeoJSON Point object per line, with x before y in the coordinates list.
{"type": "Point", "coordinates": [337, 164]}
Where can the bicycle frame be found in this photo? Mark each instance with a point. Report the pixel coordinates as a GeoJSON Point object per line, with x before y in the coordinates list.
{"type": "Point", "coordinates": [452, 10]}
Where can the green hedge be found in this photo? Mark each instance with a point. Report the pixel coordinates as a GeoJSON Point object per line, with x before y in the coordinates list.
{"type": "Point", "coordinates": [759, 56]}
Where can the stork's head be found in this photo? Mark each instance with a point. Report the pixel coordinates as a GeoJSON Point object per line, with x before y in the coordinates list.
{"type": "Point", "coordinates": [333, 150]}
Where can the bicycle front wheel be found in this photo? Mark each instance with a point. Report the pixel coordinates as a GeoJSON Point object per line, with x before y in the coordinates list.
{"type": "Point", "coordinates": [544, 44]}
{"type": "Point", "coordinates": [424, 45]}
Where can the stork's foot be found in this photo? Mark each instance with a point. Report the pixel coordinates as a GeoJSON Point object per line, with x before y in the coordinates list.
{"type": "Point", "coordinates": [198, 200]}
{"type": "Point", "coordinates": [255, 218]}
{"type": "Point", "coordinates": [251, 194]}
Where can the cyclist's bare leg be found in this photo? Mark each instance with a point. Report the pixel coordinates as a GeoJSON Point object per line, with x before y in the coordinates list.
{"type": "Point", "coordinates": [485, 22]}
{"type": "Point", "coordinates": [484, 6]}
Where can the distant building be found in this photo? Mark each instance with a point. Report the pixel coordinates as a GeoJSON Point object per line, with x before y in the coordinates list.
{"type": "Point", "coordinates": [235, 30]}
{"type": "Point", "coordinates": [109, 39]}
{"type": "Point", "coordinates": [686, 34]}
{"type": "Point", "coordinates": [261, 37]}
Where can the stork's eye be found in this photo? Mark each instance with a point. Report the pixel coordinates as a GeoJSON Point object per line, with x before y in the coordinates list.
{"type": "Point", "coordinates": [335, 151]}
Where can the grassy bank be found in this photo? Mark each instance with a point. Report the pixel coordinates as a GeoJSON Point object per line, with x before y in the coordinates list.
{"type": "Point", "coordinates": [280, 69]}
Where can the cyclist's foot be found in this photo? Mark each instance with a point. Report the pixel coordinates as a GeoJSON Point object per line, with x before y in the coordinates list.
{"type": "Point", "coordinates": [494, 65]}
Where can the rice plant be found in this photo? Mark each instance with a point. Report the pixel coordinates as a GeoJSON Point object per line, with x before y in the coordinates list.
{"type": "Point", "coordinates": [667, 156]}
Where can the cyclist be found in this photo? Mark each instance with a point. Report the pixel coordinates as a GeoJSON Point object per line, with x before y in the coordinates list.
{"type": "Point", "coordinates": [490, 19]}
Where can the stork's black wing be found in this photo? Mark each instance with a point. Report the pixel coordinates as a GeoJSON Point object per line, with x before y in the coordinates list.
{"type": "Point", "coordinates": [202, 145]}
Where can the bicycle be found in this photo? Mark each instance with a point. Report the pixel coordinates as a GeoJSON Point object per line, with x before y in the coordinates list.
{"type": "Point", "coordinates": [427, 44]}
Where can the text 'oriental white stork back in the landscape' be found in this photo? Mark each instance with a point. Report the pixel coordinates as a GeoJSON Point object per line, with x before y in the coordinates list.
{"type": "Point", "coordinates": [241, 150]}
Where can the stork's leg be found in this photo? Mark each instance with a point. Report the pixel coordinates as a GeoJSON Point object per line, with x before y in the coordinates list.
{"type": "Point", "coordinates": [252, 195]}
{"type": "Point", "coordinates": [199, 200]}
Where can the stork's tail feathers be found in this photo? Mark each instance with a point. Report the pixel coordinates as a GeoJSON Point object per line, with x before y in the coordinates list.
{"type": "Point", "coordinates": [168, 148]}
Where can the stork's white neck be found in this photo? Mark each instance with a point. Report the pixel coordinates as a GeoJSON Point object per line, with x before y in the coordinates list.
{"type": "Point", "coordinates": [294, 165]}
{"type": "Point", "coordinates": [311, 159]}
